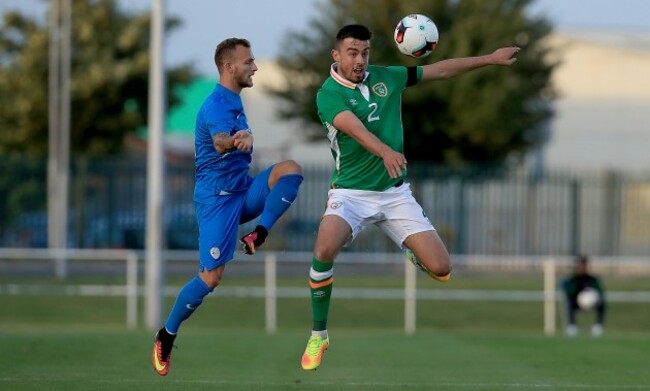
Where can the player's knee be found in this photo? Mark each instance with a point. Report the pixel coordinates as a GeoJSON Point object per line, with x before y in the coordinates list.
{"type": "Point", "coordinates": [212, 282]}
{"type": "Point", "coordinates": [291, 167]}
{"type": "Point", "coordinates": [211, 278]}
{"type": "Point", "coordinates": [442, 269]}
{"type": "Point", "coordinates": [324, 253]}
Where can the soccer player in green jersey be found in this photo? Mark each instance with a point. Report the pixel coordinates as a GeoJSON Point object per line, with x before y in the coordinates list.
{"type": "Point", "coordinates": [360, 108]}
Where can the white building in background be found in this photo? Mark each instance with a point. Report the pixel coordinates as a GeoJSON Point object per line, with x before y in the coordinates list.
{"type": "Point", "coordinates": [602, 114]}
{"type": "Point", "coordinates": [277, 139]}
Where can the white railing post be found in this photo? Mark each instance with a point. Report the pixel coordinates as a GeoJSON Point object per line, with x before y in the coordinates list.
{"type": "Point", "coordinates": [410, 292]}
{"type": "Point", "coordinates": [549, 297]}
{"type": "Point", "coordinates": [61, 263]}
{"type": "Point", "coordinates": [131, 289]}
{"type": "Point", "coordinates": [271, 292]}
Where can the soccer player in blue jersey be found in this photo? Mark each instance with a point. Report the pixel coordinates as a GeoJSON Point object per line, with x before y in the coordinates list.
{"type": "Point", "coordinates": [225, 195]}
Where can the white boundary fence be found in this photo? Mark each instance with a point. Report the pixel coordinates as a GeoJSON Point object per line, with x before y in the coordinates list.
{"type": "Point", "coordinates": [60, 258]}
{"type": "Point", "coordinates": [547, 267]}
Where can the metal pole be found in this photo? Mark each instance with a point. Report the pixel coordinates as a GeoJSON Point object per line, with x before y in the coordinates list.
{"type": "Point", "coordinates": [59, 128]}
{"type": "Point", "coordinates": [155, 170]}
{"type": "Point", "coordinates": [64, 140]}
{"type": "Point", "coordinates": [53, 124]}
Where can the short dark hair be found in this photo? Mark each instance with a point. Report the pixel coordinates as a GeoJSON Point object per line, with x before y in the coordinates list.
{"type": "Point", "coordinates": [356, 31]}
{"type": "Point", "coordinates": [225, 48]}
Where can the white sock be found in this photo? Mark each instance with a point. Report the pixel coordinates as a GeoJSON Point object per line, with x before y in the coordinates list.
{"type": "Point", "coordinates": [321, 333]}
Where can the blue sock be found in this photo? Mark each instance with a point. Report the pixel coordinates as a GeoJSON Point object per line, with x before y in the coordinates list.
{"type": "Point", "coordinates": [188, 299]}
{"type": "Point", "coordinates": [280, 199]}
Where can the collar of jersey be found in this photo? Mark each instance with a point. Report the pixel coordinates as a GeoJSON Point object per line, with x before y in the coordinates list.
{"type": "Point", "coordinates": [343, 81]}
{"type": "Point", "coordinates": [226, 91]}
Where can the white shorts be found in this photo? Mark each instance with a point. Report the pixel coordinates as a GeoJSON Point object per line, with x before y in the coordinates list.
{"type": "Point", "coordinates": [395, 211]}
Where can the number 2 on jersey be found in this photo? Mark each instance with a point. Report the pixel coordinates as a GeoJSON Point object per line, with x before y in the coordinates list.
{"type": "Point", "coordinates": [371, 115]}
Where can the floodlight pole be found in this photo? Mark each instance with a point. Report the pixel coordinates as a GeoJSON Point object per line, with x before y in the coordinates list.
{"type": "Point", "coordinates": [58, 129]}
{"type": "Point", "coordinates": [155, 170]}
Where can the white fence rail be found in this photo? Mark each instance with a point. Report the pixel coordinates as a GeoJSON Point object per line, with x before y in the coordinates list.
{"type": "Point", "coordinates": [547, 267]}
{"type": "Point", "coordinates": [60, 258]}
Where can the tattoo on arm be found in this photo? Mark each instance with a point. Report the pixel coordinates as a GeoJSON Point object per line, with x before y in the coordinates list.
{"type": "Point", "coordinates": [223, 142]}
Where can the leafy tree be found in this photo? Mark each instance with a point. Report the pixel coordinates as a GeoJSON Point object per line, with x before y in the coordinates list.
{"type": "Point", "coordinates": [485, 116]}
{"type": "Point", "coordinates": [109, 94]}
{"type": "Point", "coordinates": [109, 79]}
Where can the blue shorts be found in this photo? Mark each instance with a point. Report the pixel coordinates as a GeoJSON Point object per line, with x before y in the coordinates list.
{"type": "Point", "coordinates": [219, 223]}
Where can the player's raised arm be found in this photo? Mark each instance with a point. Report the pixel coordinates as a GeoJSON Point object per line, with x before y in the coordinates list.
{"type": "Point", "coordinates": [349, 124]}
{"type": "Point", "coordinates": [456, 66]}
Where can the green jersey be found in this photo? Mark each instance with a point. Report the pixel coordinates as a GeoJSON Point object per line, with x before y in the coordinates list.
{"type": "Point", "coordinates": [377, 102]}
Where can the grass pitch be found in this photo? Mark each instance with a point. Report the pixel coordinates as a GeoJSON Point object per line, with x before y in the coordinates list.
{"type": "Point", "coordinates": [249, 360]}
{"type": "Point", "coordinates": [56, 342]}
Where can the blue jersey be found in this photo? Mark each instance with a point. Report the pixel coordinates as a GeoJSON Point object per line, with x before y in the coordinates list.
{"type": "Point", "coordinates": [222, 111]}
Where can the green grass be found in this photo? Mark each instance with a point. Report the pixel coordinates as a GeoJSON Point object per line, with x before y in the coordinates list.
{"type": "Point", "coordinates": [56, 342]}
{"type": "Point", "coordinates": [294, 314]}
{"type": "Point", "coordinates": [357, 360]}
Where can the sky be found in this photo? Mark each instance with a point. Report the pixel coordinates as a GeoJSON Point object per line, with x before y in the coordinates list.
{"type": "Point", "coordinates": [265, 23]}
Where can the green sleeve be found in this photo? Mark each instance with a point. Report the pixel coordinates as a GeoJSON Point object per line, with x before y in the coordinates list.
{"type": "Point", "coordinates": [598, 285]}
{"type": "Point", "coordinates": [329, 104]}
{"type": "Point", "coordinates": [400, 74]}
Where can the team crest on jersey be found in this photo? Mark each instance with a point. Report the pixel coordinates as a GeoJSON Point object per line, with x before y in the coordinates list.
{"type": "Point", "coordinates": [380, 89]}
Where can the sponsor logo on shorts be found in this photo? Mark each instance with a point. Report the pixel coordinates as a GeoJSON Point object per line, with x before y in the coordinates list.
{"type": "Point", "coordinates": [336, 204]}
{"type": "Point", "coordinates": [215, 252]}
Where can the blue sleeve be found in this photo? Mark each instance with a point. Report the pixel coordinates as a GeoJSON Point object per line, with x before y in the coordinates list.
{"type": "Point", "coordinates": [217, 120]}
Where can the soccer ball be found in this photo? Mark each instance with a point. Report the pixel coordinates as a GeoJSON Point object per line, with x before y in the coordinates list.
{"type": "Point", "coordinates": [416, 35]}
{"type": "Point", "coordinates": [588, 298]}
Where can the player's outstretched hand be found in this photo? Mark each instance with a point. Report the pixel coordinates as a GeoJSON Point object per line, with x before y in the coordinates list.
{"type": "Point", "coordinates": [243, 140]}
{"type": "Point", "coordinates": [505, 56]}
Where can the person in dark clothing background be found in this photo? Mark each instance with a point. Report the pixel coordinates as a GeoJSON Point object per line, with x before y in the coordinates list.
{"type": "Point", "coordinates": [578, 284]}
